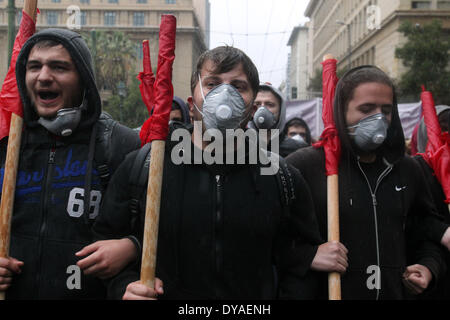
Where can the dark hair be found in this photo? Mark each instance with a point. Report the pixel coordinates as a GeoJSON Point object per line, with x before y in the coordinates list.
{"type": "Point", "coordinates": [175, 106]}
{"type": "Point", "coordinates": [226, 58]}
{"type": "Point", "coordinates": [360, 75]}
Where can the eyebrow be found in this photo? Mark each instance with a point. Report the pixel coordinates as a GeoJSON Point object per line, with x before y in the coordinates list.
{"type": "Point", "coordinates": [211, 77]}
{"type": "Point", "coordinates": [373, 105]}
{"type": "Point", "coordinates": [238, 81]}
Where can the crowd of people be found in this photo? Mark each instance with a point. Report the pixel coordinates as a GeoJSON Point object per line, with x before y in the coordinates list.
{"type": "Point", "coordinates": [226, 230]}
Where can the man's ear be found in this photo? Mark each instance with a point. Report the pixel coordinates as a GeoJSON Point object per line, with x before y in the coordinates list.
{"type": "Point", "coordinates": [190, 102]}
{"type": "Point", "coordinates": [254, 108]}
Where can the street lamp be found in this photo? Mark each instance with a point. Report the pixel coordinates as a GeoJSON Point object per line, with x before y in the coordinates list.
{"type": "Point", "coordinates": [121, 89]}
{"type": "Point", "coordinates": [349, 42]}
{"type": "Point", "coordinates": [11, 10]}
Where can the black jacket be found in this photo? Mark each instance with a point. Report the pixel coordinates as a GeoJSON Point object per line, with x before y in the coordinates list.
{"type": "Point", "coordinates": [402, 201]}
{"type": "Point", "coordinates": [48, 222]}
{"type": "Point", "coordinates": [222, 230]}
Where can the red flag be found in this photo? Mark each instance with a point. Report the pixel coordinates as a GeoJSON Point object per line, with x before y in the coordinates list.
{"type": "Point", "coordinates": [437, 152]}
{"type": "Point", "coordinates": [329, 139]}
{"type": "Point", "coordinates": [157, 126]}
{"type": "Point", "coordinates": [9, 96]}
{"type": "Point", "coordinates": [147, 79]}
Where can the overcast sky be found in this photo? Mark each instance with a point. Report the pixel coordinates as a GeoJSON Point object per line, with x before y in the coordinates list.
{"type": "Point", "coordinates": [261, 28]}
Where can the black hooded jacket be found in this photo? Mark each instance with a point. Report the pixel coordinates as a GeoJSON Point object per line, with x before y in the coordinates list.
{"type": "Point", "coordinates": [222, 230]}
{"type": "Point", "coordinates": [49, 224]}
{"type": "Point", "coordinates": [380, 207]}
{"type": "Point", "coordinates": [184, 109]}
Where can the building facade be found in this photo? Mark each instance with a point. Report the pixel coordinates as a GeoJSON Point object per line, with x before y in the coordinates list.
{"type": "Point", "coordinates": [361, 32]}
{"type": "Point", "coordinates": [138, 19]}
{"type": "Point", "coordinates": [297, 70]}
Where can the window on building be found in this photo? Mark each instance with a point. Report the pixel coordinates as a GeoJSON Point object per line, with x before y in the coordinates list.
{"type": "Point", "coordinates": [110, 18]}
{"type": "Point", "coordinates": [52, 18]}
{"type": "Point", "coordinates": [113, 1]}
{"type": "Point", "coordinates": [421, 4]}
{"type": "Point", "coordinates": [141, 1]}
{"type": "Point", "coordinates": [443, 5]}
{"type": "Point", "coordinates": [171, 1]}
{"type": "Point", "coordinates": [84, 1]}
{"type": "Point", "coordinates": [294, 93]}
{"type": "Point", "coordinates": [138, 18]}
{"type": "Point", "coordinates": [56, 1]}
{"type": "Point", "coordinates": [139, 51]}
{"type": "Point", "coordinates": [19, 16]}
{"type": "Point", "coordinates": [83, 18]}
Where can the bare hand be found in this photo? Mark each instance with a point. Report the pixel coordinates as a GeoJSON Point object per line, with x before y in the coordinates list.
{"type": "Point", "coordinates": [416, 278]}
{"type": "Point", "coordinates": [8, 267]}
{"type": "Point", "coordinates": [331, 257]}
{"type": "Point", "coordinates": [106, 258]}
{"type": "Point", "coordinates": [445, 241]}
{"type": "Point", "coordinates": [138, 291]}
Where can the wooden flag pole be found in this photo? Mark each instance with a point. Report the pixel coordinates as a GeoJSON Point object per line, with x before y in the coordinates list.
{"type": "Point", "coordinates": [11, 165]}
{"type": "Point", "coordinates": [150, 242]}
{"type": "Point", "coordinates": [334, 278]}
{"type": "Point", "coordinates": [163, 83]}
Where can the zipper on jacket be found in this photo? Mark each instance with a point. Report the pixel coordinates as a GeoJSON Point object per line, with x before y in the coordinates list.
{"type": "Point", "coordinates": [218, 234]}
{"type": "Point", "coordinates": [43, 226]}
{"type": "Point", "coordinates": [374, 204]}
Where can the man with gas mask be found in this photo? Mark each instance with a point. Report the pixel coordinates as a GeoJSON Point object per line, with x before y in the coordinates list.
{"type": "Point", "coordinates": [224, 230]}
{"type": "Point", "coordinates": [64, 132]}
{"type": "Point", "coordinates": [382, 198]}
{"type": "Point", "coordinates": [296, 135]}
{"type": "Point", "coordinates": [270, 115]}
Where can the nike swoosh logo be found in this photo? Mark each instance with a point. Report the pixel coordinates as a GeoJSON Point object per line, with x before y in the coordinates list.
{"type": "Point", "coordinates": [399, 189]}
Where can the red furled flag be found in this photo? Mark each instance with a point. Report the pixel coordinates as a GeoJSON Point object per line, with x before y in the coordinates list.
{"type": "Point", "coordinates": [157, 126]}
{"type": "Point", "coordinates": [147, 79]}
{"type": "Point", "coordinates": [329, 139]}
{"type": "Point", "coordinates": [9, 96]}
{"type": "Point", "coordinates": [437, 152]}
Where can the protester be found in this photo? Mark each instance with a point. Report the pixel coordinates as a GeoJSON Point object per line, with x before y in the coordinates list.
{"type": "Point", "coordinates": [382, 198]}
{"type": "Point", "coordinates": [68, 149]}
{"type": "Point", "coordinates": [225, 230]}
{"type": "Point", "coordinates": [297, 135]}
{"type": "Point", "coordinates": [297, 127]}
{"type": "Point", "coordinates": [269, 113]}
{"type": "Point", "coordinates": [180, 111]}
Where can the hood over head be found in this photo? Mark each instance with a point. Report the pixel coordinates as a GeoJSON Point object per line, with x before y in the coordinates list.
{"type": "Point", "coordinates": [422, 137]}
{"type": "Point", "coordinates": [81, 56]}
{"type": "Point", "coordinates": [282, 117]}
{"type": "Point", "coordinates": [393, 146]}
{"type": "Point", "coordinates": [184, 109]}
{"type": "Point", "coordinates": [298, 121]}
